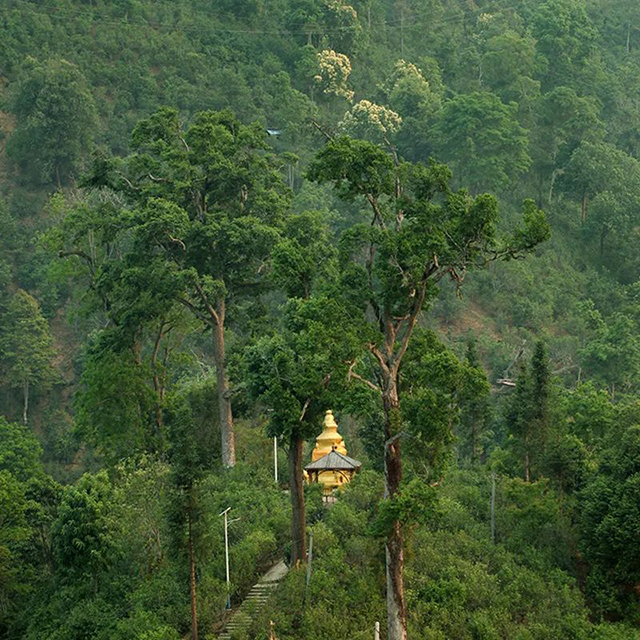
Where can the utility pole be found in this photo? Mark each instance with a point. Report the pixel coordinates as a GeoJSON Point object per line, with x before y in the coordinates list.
{"type": "Point", "coordinates": [225, 513]}
{"type": "Point", "coordinates": [493, 507]}
{"type": "Point", "coordinates": [275, 458]}
{"type": "Point", "coordinates": [309, 558]}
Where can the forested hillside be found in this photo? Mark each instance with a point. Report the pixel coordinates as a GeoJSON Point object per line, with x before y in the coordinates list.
{"type": "Point", "coordinates": [220, 219]}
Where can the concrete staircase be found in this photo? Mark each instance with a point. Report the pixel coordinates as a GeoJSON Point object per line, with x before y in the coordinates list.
{"type": "Point", "coordinates": [254, 602]}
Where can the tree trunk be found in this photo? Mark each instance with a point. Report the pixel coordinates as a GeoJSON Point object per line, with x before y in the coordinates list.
{"type": "Point", "coordinates": [25, 406]}
{"type": "Point", "coordinates": [584, 208]}
{"type": "Point", "coordinates": [298, 520]}
{"type": "Point", "coordinates": [158, 385]}
{"type": "Point", "coordinates": [603, 235]}
{"type": "Point", "coordinates": [192, 583]}
{"type": "Point", "coordinates": [394, 552]}
{"type": "Point", "coordinates": [224, 393]}
{"type": "Point", "coordinates": [527, 474]}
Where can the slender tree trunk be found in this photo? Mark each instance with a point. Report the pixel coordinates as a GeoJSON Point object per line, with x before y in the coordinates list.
{"type": "Point", "coordinates": [192, 583]}
{"type": "Point", "coordinates": [298, 520]}
{"type": "Point", "coordinates": [158, 387]}
{"type": "Point", "coordinates": [554, 176]}
{"type": "Point", "coordinates": [224, 391]}
{"type": "Point", "coordinates": [628, 38]}
{"type": "Point", "coordinates": [527, 474]}
{"type": "Point", "coordinates": [394, 552]}
{"type": "Point", "coordinates": [25, 405]}
{"type": "Point", "coordinates": [583, 217]}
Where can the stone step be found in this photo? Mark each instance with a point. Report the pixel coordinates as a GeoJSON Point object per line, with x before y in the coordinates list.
{"type": "Point", "coordinates": [254, 602]}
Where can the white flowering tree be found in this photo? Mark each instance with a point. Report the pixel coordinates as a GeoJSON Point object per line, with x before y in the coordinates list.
{"type": "Point", "coordinates": [371, 121]}
{"type": "Point", "coordinates": [333, 74]}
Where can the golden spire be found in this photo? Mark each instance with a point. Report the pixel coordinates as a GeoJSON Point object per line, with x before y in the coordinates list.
{"type": "Point", "coordinates": [329, 439]}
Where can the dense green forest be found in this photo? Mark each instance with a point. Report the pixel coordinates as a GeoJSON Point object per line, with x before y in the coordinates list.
{"type": "Point", "coordinates": [220, 219]}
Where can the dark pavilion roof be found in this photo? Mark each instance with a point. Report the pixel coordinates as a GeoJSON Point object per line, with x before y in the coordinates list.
{"type": "Point", "coordinates": [334, 460]}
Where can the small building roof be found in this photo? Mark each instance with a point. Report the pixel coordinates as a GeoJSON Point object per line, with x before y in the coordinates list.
{"type": "Point", "coordinates": [334, 460]}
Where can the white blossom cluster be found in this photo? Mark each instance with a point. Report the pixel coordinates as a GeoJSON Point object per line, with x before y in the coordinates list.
{"type": "Point", "coordinates": [408, 69]}
{"type": "Point", "coordinates": [334, 72]}
{"type": "Point", "coordinates": [371, 120]}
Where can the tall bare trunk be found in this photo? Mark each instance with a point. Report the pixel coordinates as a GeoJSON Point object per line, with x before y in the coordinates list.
{"type": "Point", "coordinates": [25, 405]}
{"type": "Point", "coordinates": [158, 386]}
{"type": "Point", "coordinates": [192, 583]}
{"type": "Point", "coordinates": [583, 215]}
{"type": "Point", "coordinates": [298, 519]}
{"type": "Point", "coordinates": [394, 552]}
{"type": "Point", "coordinates": [224, 391]}
{"type": "Point", "coordinates": [527, 474]}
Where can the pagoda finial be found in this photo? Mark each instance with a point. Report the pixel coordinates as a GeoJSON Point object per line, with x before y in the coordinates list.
{"type": "Point", "coordinates": [329, 440]}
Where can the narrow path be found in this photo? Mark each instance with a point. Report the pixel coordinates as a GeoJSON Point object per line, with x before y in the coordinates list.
{"type": "Point", "coordinates": [254, 602]}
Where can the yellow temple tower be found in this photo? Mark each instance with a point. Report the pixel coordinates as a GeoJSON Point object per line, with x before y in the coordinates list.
{"type": "Point", "coordinates": [331, 466]}
{"type": "Point", "coordinates": [329, 439]}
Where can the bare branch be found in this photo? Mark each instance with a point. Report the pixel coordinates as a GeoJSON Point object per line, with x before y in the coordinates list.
{"type": "Point", "coordinates": [178, 241]}
{"type": "Point", "coordinates": [209, 307]}
{"type": "Point", "coordinates": [184, 142]}
{"type": "Point", "coordinates": [80, 254]}
{"type": "Point", "coordinates": [304, 408]}
{"type": "Point", "coordinates": [327, 135]}
{"type": "Point", "coordinates": [394, 439]}
{"type": "Point", "coordinates": [127, 181]}
{"type": "Point", "coordinates": [416, 308]}
{"type": "Point", "coordinates": [376, 210]}
{"type": "Point", "coordinates": [194, 310]}
{"type": "Point", "coordinates": [352, 375]}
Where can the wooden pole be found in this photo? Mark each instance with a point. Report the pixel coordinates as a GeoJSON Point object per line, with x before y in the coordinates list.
{"type": "Point", "coordinates": [309, 558]}
{"type": "Point", "coordinates": [275, 458]}
{"type": "Point", "coordinates": [376, 634]}
{"type": "Point", "coordinates": [225, 513]}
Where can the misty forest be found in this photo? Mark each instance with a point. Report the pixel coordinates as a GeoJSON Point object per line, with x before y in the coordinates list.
{"type": "Point", "coordinates": [319, 319]}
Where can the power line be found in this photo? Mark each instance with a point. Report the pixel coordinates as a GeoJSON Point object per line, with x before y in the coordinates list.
{"type": "Point", "coordinates": [95, 16]}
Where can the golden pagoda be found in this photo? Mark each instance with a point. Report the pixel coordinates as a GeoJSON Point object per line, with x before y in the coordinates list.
{"type": "Point", "coordinates": [329, 439]}
{"type": "Point", "coordinates": [331, 466]}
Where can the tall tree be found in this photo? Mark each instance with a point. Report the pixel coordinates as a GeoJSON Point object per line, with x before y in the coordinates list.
{"type": "Point", "coordinates": [204, 206]}
{"type": "Point", "coordinates": [528, 412]}
{"type": "Point", "coordinates": [599, 168]}
{"type": "Point", "coordinates": [420, 232]}
{"type": "Point", "coordinates": [298, 372]}
{"type": "Point", "coordinates": [57, 120]}
{"type": "Point", "coordinates": [481, 137]}
{"type": "Point", "coordinates": [475, 406]}
{"type": "Point", "coordinates": [609, 519]}
{"type": "Point", "coordinates": [27, 347]}
{"type": "Point", "coordinates": [564, 120]}
{"type": "Point", "coordinates": [566, 37]}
